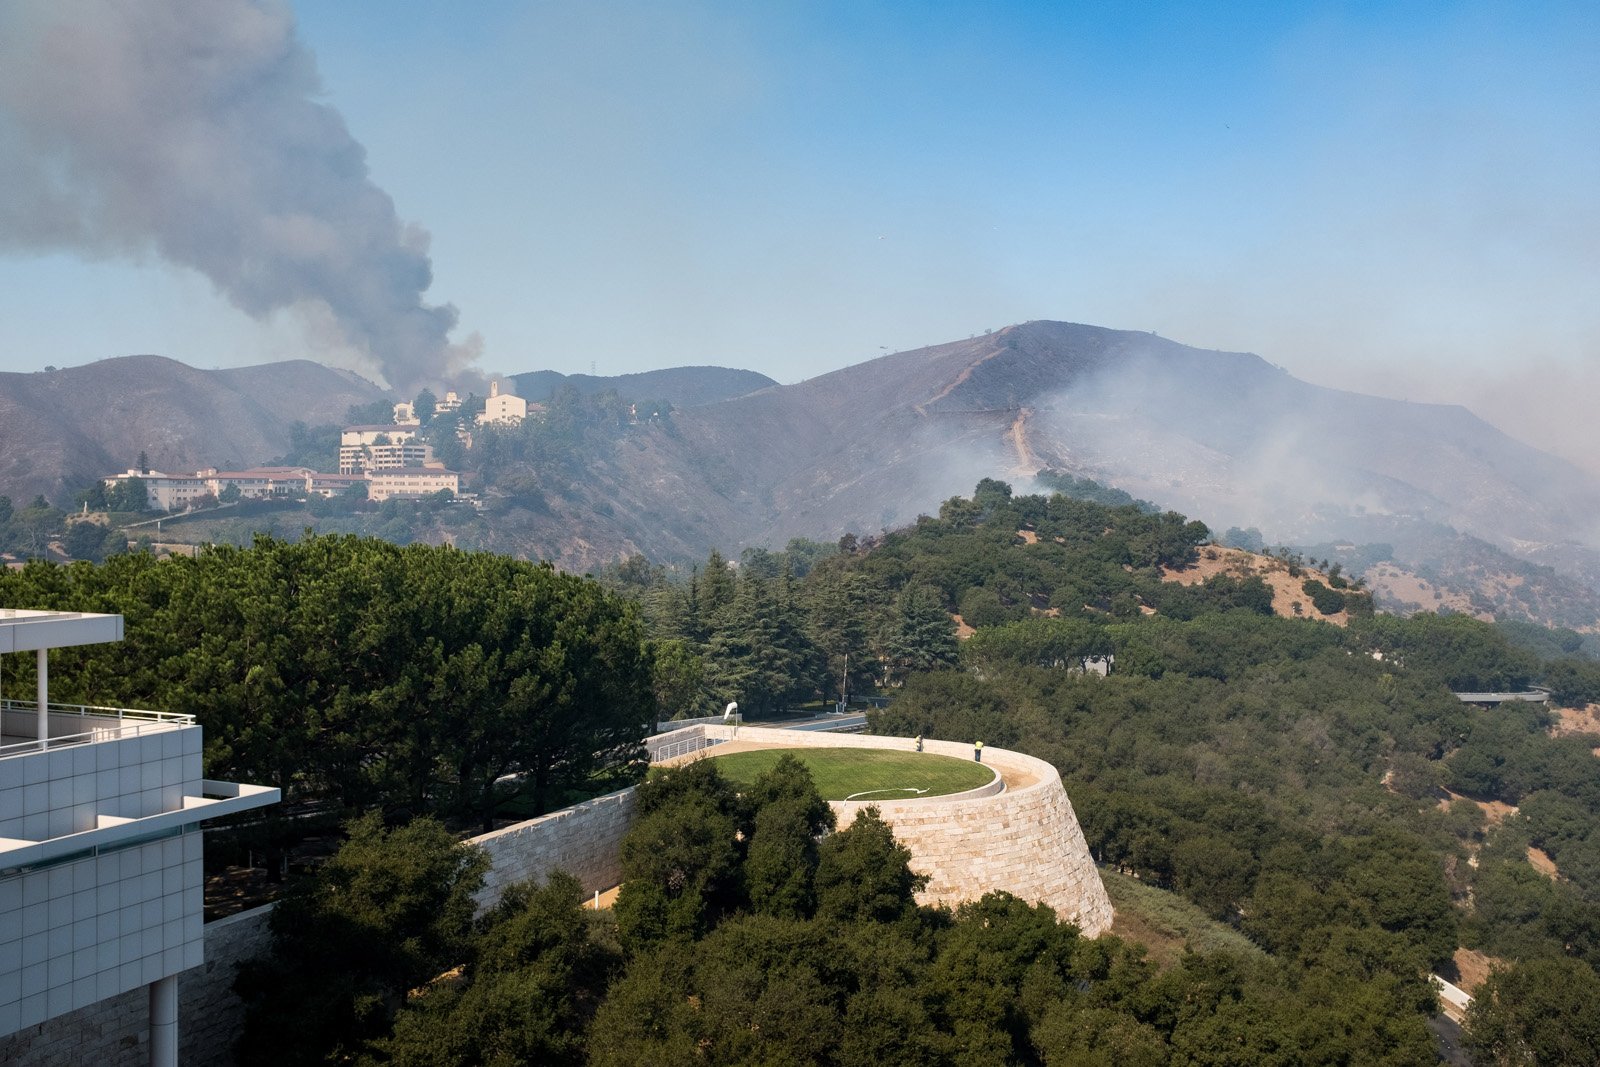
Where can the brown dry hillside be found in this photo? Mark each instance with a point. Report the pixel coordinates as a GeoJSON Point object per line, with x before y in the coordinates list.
{"type": "Point", "coordinates": [1400, 588]}
{"type": "Point", "coordinates": [1288, 597]}
{"type": "Point", "coordinates": [61, 429]}
{"type": "Point", "coordinates": [1224, 437]}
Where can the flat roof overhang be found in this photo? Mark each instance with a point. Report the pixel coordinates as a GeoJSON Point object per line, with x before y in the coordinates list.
{"type": "Point", "coordinates": [217, 798]}
{"type": "Point", "coordinates": [27, 631]}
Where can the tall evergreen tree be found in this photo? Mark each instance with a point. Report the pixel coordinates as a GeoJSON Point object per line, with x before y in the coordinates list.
{"type": "Point", "coordinates": [919, 636]}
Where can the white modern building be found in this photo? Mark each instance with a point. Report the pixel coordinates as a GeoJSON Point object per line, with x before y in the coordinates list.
{"type": "Point", "coordinates": [370, 448]}
{"type": "Point", "coordinates": [101, 887]}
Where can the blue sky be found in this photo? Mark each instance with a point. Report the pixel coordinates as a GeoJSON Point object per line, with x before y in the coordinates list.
{"type": "Point", "coordinates": [1397, 198]}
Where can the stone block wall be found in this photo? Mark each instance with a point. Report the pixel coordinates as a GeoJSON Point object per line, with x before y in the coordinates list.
{"type": "Point", "coordinates": [115, 1032]}
{"type": "Point", "coordinates": [584, 840]}
{"type": "Point", "coordinates": [1024, 839]}
{"type": "Point", "coordinates": [210, 1014]}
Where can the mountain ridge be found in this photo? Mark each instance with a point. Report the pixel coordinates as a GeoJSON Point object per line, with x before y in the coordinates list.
{"type": "Point", "coordinates": [61, 429]}
{"type": "Point", "coordinates": [1227, 437]}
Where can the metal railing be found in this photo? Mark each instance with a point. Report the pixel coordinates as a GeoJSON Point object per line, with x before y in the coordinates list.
{"type": "Point", "coordinates": [683, 748]}
{"type": "Point", "coordinates": [118, 724]}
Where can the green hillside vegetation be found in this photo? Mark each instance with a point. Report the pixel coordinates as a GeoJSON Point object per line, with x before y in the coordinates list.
{"type": "Point", "coordinates": [428, 520]}
{"type": "Point", "coordinates": [1167, 924]}
{"type": "Point", "coordinates": [1274, 773]}
{"type": "Point", "coordinates": [1271, 771]}
{"type": "Point", "coordinates": [739, 937]}
{"type": "Point", "coordinates": [841, 773]}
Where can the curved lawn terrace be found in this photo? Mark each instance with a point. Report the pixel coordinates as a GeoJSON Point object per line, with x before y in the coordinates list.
{"type": "Point", "coordinates": [862, 773]}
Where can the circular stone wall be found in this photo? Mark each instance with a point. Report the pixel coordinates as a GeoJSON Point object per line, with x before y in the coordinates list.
{"type": "Point", "coordinates": [1019, 835]}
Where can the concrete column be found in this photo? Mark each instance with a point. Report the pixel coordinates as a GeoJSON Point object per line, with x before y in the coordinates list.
{"type": "Point", "coordinates": [164, 1022]}
{"type": "Point", "coordinates": [44, 698]}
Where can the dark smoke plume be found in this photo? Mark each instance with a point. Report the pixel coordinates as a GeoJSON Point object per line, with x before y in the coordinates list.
{"type": "Point", "coordinates": [191, 129]}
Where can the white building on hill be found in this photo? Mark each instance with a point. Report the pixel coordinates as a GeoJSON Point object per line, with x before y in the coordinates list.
{"type": "Point", "coordinates": [258, 483]}
{"type": "Point", "coordinates": [410, 482]}
{"type": "Point", "coordinates": [165, 492]}
{"type": "Point", "coordinates": [101, 886]}
{"type": "Point", "coordinates": [370, 448]}
{"type": "Point", "coordinates": [503, 409]}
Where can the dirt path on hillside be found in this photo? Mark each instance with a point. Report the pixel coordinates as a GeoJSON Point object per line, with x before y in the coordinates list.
{"type": "Point", "coordinates": [1019, 441]}
{"type": "Point", "coordinates": [922, 408]}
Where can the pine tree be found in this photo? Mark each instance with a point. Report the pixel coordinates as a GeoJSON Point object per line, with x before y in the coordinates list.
{"type": "Point", "coordinates": [921, 635]}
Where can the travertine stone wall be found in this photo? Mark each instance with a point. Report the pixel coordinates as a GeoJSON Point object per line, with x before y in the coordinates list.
{"type": "Point", "coordinates": [1024, 839]}
{"type": "Point", "coordinates": [115, 1032]}
{"type": "Point", "coordinates": [584, 840]}
{"type": "Point", "coordinates": [210, 1014]}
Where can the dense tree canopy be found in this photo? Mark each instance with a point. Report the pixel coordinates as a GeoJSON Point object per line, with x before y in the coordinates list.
{"type": "Point", "coordinates": [364, 673]}
{"type": "Point", "coordinates": [862, 977]}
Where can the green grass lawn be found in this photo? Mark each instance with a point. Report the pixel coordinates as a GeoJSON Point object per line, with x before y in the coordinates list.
{"type": "Point", "coordinates": [841, 773]}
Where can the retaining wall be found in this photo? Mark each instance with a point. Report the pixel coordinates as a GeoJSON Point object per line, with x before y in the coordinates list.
{"type": "Point", "coordinates": [584, 840]}
{"type": "Point", "coordinates": [1024, 839]}
{"type": "Point", "coordinates": [116, 1031]}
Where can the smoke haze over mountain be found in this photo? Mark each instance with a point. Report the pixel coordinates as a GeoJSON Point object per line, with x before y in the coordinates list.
{"type": "Point", "coordinates": [1395, 199]}
{"type": "Point", "coordinates": [192, 131]}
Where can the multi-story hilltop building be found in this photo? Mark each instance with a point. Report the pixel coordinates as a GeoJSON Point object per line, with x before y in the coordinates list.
{"type": "Point", "coordinates": [100, 846]}
{"type": "Point", "coordinates": [166, 492]}
{"type": "Point", "coordinates": [411, 482]}
{"type": "Point", "coordinates": [373, 448]}
{"type": "Point", "coordinates": [175, 492]}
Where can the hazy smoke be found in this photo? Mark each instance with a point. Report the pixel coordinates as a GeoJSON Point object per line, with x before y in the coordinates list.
{"type": "Point", "coordinates": [191, 129]}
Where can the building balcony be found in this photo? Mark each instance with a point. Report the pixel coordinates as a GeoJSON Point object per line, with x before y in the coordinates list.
{"type": "Point", "coordinates": [103, 776]}
{"type": "Point", "coordinates": [100, 843]}
{"type": "Point", "coordinates": [77, 724]}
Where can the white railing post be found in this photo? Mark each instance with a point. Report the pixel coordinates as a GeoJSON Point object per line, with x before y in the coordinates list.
{"type": "Point", "coordinates": [44, 699]}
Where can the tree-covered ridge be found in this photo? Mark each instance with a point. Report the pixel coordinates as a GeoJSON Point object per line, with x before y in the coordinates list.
{"type": "Point", "coordinates": [1287, 775]}
{"type": "Point", "coordinates": [363, 674]}
{"type": "Point", "coordinates": [817, 620]}
{"type": "Point", "coordinates": [747, 932]}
